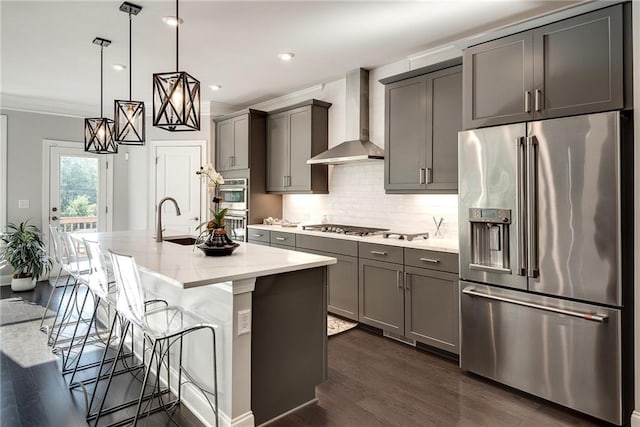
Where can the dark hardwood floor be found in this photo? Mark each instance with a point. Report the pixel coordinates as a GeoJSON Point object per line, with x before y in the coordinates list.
{"type": "Point", "coordinates": [373, 381]}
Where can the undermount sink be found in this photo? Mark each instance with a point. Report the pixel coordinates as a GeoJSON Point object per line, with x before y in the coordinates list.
{"type": "Point", "coordinates": [184, 241]}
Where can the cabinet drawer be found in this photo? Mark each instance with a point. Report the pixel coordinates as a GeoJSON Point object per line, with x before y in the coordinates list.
{"type": "Point", "coordinates": [327, 244]}
{"type": "Point", "coordinates": [434, 260]}
{"type": "Point", "coordinates": [381, 252]}
{"type": "Point", "coordinates": [259, 236]}
{"type": "Point", "coordinates": [281, 238]}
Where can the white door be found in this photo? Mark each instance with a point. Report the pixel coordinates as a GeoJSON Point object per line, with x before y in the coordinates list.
{"type": "Point", "coordinates": [78, 189]}
{"type": "Point", "coordinates": [175, 176]}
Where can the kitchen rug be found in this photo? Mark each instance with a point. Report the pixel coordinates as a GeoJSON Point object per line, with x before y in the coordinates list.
{"type": "Point", "coordinates": [336, 325]}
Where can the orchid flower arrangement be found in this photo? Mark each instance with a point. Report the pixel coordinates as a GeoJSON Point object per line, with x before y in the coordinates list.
{"type": "Point", "coordinates": [214, 180]}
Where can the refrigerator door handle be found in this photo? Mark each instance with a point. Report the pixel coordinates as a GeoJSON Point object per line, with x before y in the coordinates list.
{"type": "Point", "coordinates": [521, 213]}
{"type": "Point", "coordinates": [594, 317]}
{"type": "Point", "coordinates": [532, 208]}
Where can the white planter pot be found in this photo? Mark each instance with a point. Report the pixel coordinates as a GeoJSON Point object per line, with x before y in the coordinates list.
{"type": "Point", "coordinates": [23, 284]}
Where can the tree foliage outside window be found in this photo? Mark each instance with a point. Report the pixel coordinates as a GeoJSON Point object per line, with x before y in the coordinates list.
{"type": "Point", "coordinates": [78, 186]}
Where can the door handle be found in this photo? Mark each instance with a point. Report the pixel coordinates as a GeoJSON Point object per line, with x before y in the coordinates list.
{"type": "Point", "coordinates": [521, 210]}
{"type": "Point", "coordinates": [398, 284]}
{"type": "Point", "coordinates": [378, 253]}
{"type": "Point", "coordinates": [527, 101]}
{"type": "Point", "coordinates": [532, 208]}
{"type": "Point", "coordinates": [54, 218]}
{"type": "Point", "coordinates": [195, 218]}
{"type": "Point", "coordinates": [54, 209]}
{"type": "Point", "coordinates": [538, 100]}
{"type": "Point", "coordinates": [431, 260]}
{"type": "Point", "coordinates": [595, 317]}
{"type": "Point", "coordinates": [284, 180]}
{"type": "Point", "coordinates": [429, 176]}
{"type": "Point", "coordinates": [281, 239]}
{"type": "Point", "coordinates": [407, 285]}
{"type": "Point", "coordinates": [421, 176]}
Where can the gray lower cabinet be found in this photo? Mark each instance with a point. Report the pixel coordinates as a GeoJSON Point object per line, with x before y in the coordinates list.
{"type": "Point", "coordinates": [294, 135]}
{"type": "Point", "coordinates": [342, 278]}
{"type": "Point", "coordinates": [423, 115]}
{"type": "Point", "coordinates": [431, 308]}
{"type": "Point", "coordinates": [573, 66]}
{"type": "Point", "coordinates": [234, 135]}
{"type": "Point", "coordinates": [381, 295]}
{"type": "Point", "coordinates": [259, 237]}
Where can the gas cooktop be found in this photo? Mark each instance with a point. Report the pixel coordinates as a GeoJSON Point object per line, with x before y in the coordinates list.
{"type": "Point", "coordinates": [344, 229]}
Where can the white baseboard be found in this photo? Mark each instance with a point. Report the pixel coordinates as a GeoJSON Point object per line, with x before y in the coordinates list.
{"type": "Point", "coordinates": [5, 279]}
{"type": "Point", "coordinates": [635, 418]}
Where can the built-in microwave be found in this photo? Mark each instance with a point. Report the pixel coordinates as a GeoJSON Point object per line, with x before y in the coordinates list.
{"type": "Point", "coordinates": [233, 194]}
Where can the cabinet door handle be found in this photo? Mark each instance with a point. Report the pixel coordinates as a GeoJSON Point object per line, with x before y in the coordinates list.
{"type": "Point", "coordinates": [538, 99]}
{"type": "Point", "coordinates": [421, 175]}
{"type": "Point", "coordinates": [527, 101]}
{"type": "Point", "coordinates": [429, 176]}
{"type": "Point", "coordinates": [431, 260]}
{"type": "Point", "coordinates": [407, 285]}
{"type": "Point", "coordinates": [258, 235]}
{"type": "Point", "coordinates": [281, 238]}
{"type": "Point", "coordinates": [398, 284]}
{"type": "Point", "coordinates": [284, 180]}
{"type": "Point", "coordinates": [378, 253]}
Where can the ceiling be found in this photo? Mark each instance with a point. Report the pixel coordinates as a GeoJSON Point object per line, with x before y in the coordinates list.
{"type": "Point", "coordinates": [47, 55]}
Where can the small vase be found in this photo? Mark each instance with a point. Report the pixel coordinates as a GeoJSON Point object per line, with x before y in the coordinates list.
{"type": "Point", "coordinates": [218, 238]}
{"type": "Point", "coordinates": [23, 284]}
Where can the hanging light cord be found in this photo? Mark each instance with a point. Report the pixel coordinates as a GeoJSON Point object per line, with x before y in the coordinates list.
{"type": "Point", "coordinates": [101, 71]}
{"type": "Point", "coordinates": [177, 29]}
{"type": "Point", "coordinates": [130, 71]}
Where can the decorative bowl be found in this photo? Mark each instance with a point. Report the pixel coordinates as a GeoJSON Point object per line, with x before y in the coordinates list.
{"type": "Point", "coordinates": [218, 250]}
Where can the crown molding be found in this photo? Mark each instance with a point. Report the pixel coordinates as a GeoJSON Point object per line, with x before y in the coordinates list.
{"type": "Point", "coordinates": [283, 101]}
{"type": "Point", "coordinates": [32, 104]}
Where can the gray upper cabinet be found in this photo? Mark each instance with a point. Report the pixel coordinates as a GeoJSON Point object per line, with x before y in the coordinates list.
{"type": "Point", "coordinates": [423, 116]}
{"type": "Point", "coordinates": [498, 80]}
{"type": "Point", "coordinates": [234, 137]}
{"type": "Point", "coordinates": [578, 65]}
{"type": "Point", "coordinates": [573, 66]}
{"type": "Point", "coordinates": [294, 135]}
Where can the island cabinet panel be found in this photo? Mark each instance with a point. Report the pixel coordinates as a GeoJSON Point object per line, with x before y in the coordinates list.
{"type": "Point", "coordinates": [574, 66]}
{"type": "Point", "coordinates": [262, 237]}
{"type": "Point", "coordinates": [431, 308]}
{"type": "Point", "coordinates": [288, 341]}
{"type": "Point", "coordinates": [294, 135]}
{"type": "Point", "coordinates": [423, 115]}
{"type": "Point", "coordinates": [342, 278]}
{"type": "Point", "coordinates": [381, 295]}
{"type": "Point", "coordinates": [235, 135]}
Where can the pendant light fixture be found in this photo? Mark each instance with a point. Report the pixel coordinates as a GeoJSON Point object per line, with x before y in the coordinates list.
{"type": "Point", "coordinates": [176, 97]}
{"type": "Point", "coordinates": [98, 132]}
{"type": "Point", "coordinates": [129, 115]}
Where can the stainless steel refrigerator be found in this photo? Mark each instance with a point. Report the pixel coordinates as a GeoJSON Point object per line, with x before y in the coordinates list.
{"type": "Point", "coordinates": [542, 207]}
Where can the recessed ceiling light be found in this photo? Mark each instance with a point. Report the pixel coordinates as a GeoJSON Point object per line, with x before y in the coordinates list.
{"type": "Point", "coordinates": [215, 87]}
{"type": "Point", "coordinates": [171, 20]}
{"type": "Point", "coordinates": [286, 56]}
{"type": "Point", "coordinates": [119, 67]}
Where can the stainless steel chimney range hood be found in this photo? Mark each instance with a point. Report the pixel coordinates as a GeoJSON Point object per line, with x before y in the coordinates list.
{"type": "Point", "coordinates": [358, 148]}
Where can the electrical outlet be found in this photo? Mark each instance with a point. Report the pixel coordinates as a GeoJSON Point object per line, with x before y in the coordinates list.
{"type": "Point", "coordinates": [244, 322]}
{"type": "Point", "coordinates": [23, 204]}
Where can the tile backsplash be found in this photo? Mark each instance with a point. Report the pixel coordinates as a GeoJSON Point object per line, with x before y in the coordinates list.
{"type": "Point", "coordinates": [356, 197]}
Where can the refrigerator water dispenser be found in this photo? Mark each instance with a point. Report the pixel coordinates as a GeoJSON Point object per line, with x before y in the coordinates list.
{"type": "Point", "coordinates": [490, 239]}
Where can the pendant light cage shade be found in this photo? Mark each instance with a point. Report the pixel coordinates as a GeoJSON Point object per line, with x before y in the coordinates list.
{"type": "Point", "coordinates": [98, 136]}
{"type": "Point", "coordinates": [176, 101]}
{"type": "Point", "coordinates": [129, 122]}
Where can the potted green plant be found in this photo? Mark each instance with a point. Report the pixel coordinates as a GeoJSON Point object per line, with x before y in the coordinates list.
{"type": "Point", "coordinates": [24, 249]}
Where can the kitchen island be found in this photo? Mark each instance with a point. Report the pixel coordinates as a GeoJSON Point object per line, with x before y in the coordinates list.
{"type": "Point", "coordinates": [270, 309]}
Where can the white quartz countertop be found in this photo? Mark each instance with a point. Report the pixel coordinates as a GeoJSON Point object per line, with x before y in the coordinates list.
{"type": "Point", "coordinates": [440, 245]}
{"type": "Point", "coordinates": [188, 268]}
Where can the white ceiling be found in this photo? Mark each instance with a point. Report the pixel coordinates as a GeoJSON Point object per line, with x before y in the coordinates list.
{"type": "Point", "coordinates": [47, 54]}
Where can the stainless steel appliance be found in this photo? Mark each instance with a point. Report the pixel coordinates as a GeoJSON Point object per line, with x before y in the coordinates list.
{"type": "Point", "coordinates": [344, 229]}
{"type": "Point", "coordinates": [234, 197]}
{"type": "Point", "coordinates": [541, 260]}
{"type": "Point", "coordinates": [405, 236]}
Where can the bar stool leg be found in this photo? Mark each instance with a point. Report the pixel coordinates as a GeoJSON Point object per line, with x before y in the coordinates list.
{"type": "Point", "coordinates": [46, 308]}
{"type": "Point", "coordinates": [144, 383]}
{"type": "Point", "coordinates": [104, 356]}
